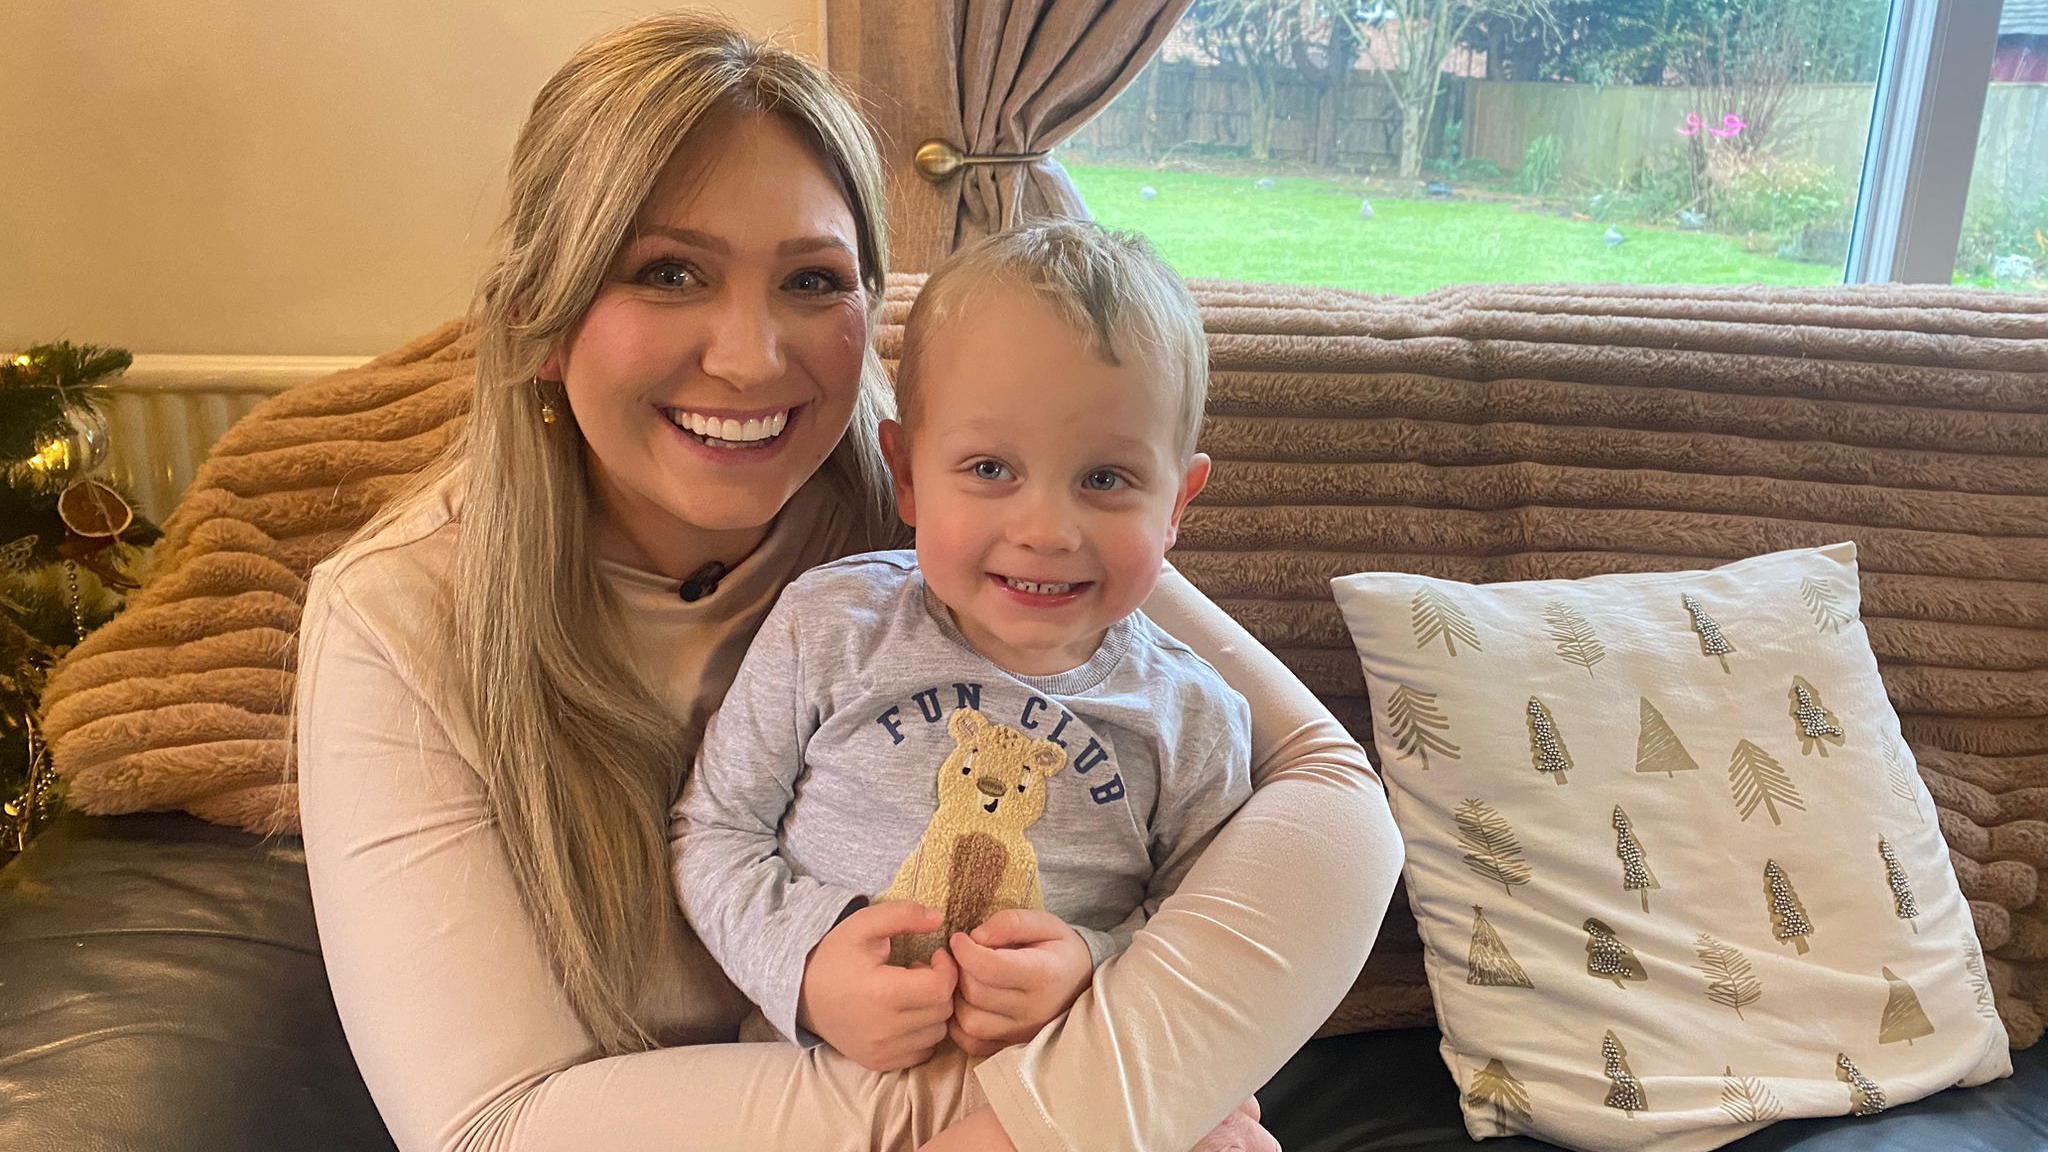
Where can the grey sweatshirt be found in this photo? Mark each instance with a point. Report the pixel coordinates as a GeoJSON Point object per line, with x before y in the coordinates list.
{"type": "Point", "coordinates": [819, 776]}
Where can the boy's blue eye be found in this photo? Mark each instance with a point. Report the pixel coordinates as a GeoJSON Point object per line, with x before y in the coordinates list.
{"type": "Point", "coordinates": [1102, 480]}
{"type": "Point", "coordinates": [990, 469]}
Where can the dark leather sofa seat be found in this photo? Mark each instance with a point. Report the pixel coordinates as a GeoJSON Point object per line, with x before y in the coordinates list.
{"type": "Point", "coordinates": [161, 990]}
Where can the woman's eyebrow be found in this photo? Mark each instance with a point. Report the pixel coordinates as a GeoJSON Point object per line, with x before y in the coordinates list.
{"type": "Point", "coordinates": [710, 243]}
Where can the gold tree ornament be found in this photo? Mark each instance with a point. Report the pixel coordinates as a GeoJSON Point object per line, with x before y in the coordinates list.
{"type": "Point", "coordinates": [1903, 903]}
{"type": "Point", "coordinates": [1627, 1091]}
{"type": "Point", "coordinates": [1900, 780]}
{"type": "Point", "coordinates": [1657, 746]}
{"type": "Point", "coordinates": [94, 511]}
{"type": "Point", "coordinates": [1491, 848]}
{"type": "Point", "coordinates": [1731, 982]}
{"type": "Point", "coordinates": [1438, 617]}
{"type": "Point", "coordinates": [1788, 916]}
{"type": "Point", "coordinates": [1608, 958]}
{"type": "Point", "coordinates": [1489, 964]}
{"type": "Point", "coordinates": [1903, 1018]}
{"type": "Point", "coordinates": [1546, 744]}
{"type": "Point", "coordinates": [1865, 1097]}
{"type": "Point", "coordinates": [1494, 1086]}
{"type": "Point", "coordinates": [1573, 634]}
{"type": "Point", "coordinates": [1815, 725]}
{"type": "Point", "coordinates": [1755, 778]}
{"type": "Point", "coordinates": [1635, 864]}
{"type": "Point", "coordinates": [1417, 726]}
{"type": "Point", "coordinates": [1824, 601]}
{"type": "Point", "coordinates": [1712, 642]}
{"type": "Point", "coordinates": [1748, 1100]}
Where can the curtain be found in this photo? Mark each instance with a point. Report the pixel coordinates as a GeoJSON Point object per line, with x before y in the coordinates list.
{"type": "Point", "coordinates": [987, 77]}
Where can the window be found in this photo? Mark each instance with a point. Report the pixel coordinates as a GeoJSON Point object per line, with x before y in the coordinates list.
{"type": "Point", "coordinates": [1400, 145]}
{"type": "Point", "coordinates": [2005, 221]}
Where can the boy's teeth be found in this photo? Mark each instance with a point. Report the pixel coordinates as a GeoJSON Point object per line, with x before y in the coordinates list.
{"type": "Point", "coordinates": [1037, 589]}
{"type": "Point", "coordinates": [731, 431]}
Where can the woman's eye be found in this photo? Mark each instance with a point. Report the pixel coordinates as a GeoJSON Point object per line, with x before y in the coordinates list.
{"type": "Point", "coordinates": [990, 470]}
{"type": "Point", "coordinates": [668, 274]}
{"type": "Point", "coordinates": [818, 281]}
{"type": "Point", "coordinates": [1102, 480]}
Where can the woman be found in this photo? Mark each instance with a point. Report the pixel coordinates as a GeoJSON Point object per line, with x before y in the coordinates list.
{"type": "Point", "coordinates": [504, 676]}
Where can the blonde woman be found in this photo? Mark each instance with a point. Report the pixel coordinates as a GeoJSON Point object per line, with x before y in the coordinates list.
{"type": "Point", "coordinates": [504, 676]}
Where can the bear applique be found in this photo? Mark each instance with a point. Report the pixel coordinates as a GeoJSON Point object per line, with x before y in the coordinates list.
{"type": "Point", "coordinates": [973, 859]}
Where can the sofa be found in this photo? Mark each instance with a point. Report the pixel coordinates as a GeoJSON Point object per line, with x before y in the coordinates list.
{"type": "Point", "coordinates": [161, 984]}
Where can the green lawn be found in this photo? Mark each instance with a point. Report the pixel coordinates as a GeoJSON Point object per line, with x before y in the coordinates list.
{"type": "Point", "coordinates": [1308, 231]}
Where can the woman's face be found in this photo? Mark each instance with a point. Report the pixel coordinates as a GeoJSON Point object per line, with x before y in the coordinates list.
{"type": "Point", "coordinates": [718, 366]}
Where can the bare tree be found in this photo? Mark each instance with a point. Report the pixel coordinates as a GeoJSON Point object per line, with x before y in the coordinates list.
{"type": "Point", "coordinates": [1415, 38]}
{"type": "Point", "coordinates": [1259, 37]}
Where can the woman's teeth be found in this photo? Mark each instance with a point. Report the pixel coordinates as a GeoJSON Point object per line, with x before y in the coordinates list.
{"type": "Point", "coordinates": [1037, 589]}
{"type": "Point", "coordinates": [724, 433]}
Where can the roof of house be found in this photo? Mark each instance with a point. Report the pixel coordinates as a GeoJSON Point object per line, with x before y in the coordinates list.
{"type": "Point", "coordinates": [2024, 18]}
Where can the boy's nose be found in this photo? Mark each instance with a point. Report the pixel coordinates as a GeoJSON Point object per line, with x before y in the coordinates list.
{"type": "Point", "coordinates": [1045, 525]}
{"type": "Point", "coordinates": [989, 786]}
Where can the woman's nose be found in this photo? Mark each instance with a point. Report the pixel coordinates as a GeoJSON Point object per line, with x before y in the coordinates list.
{"type": "Point", "coordinates": [744, 347]}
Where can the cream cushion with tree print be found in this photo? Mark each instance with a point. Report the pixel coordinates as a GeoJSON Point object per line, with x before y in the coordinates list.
{"type": "Point", "coordinates": [1676, 875]}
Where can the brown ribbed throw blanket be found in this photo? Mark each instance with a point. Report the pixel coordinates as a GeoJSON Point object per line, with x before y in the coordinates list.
{"type": "Point", "coordinates": [1477, 434]}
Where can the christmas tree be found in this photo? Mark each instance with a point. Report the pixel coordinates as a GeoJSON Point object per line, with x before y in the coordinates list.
{"type": "Point", "coordinates": [1731, 982]}
{"type": "Point", "coordinates": [1788, 915]}
{"type": "Point", "coordinates": [1657, 746]}
{"type": "Point", "coordinates": [1903, 903]}
{"type": "Point", "coordinates": [1817, 727]}
{"type": "Point", "coordinates": [1489, 963]}
{"type": "Point", "coordinates": [1903, 1017]}
{"type": "Point", "coordinates": [1865, 1097]}
{"type": "Point", "coordinates": [1608, 957]}
{"type": "Point", "coordinates": [1635, 864]}
{"type": "Point", "coordinates": [1627, 1092]}
{"type": "Point", "coordinates": [1546, 746]}
{"type": "Point", "coordinates": [68, 542]}
{"type": "Point", "coordinates": [1495, 1085]}
{"type": "Point", "coordinates": [1712, 642]}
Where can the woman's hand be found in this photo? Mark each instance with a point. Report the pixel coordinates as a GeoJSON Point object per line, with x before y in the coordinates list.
{"type": "Point", "coordinates": [1020, 969]}
{"type": "Point", "coordinates": [882, 1017]}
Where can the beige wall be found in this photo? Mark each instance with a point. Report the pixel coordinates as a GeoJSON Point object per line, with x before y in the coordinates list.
{"type": "Point", "coordinates": [309, 177]}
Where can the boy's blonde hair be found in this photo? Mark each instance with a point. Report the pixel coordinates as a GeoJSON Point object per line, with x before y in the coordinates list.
{"type": "Point", "coordinates": [1110, 287]}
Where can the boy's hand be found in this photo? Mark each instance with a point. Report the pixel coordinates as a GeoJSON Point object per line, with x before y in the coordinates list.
{"type": "Point", "coordinates": [882, 1017]}
{"type": "Point", "coordinates": [1020, 969]}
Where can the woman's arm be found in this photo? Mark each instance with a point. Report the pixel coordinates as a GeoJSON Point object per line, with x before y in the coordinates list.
{"type": "Point", "coordinates": [446, 993]}
{"type": "Point", "coordinates": [1244, 961]}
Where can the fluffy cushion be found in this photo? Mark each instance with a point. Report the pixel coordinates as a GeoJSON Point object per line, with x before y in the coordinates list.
{"type": "Point", "coordinates": [1675, 874]}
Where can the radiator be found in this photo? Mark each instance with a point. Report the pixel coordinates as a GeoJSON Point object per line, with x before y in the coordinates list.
{"type": "Point", "coordinates": [166, 412]}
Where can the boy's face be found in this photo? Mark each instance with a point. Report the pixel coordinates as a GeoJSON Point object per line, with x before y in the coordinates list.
{"type": "Point", "coordinates": [1045, 485]}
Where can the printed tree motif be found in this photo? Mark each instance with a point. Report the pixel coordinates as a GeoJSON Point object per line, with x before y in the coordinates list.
{"type": "Point", "coordinates": [1712, 643]}
{"type": "Point", "coordinates": [1437, 616]}
{"type": "Point", "coordinates": [1546, 744]}
{"type": "Point", "coordinates": [1755, 779]}
{"type": "Point", "coordinates": [1980, 982]}
{"type": "Point", "coordinates": [1495, 1085]}
{"type": "Point", "coordinates": [1490, 845]}
{"type": "Point", "coordinates": [1747, 1100]}
{"type": "Point", "coordinates": [1627, 1092]}
{"type": "Point", "coordinates": [1657, 746]}
{"type": "Point", "coordinates": [1731, 982]}
{"type": "Point", "coordinates": [1635, 865]}
{"type": "Point", "coordinates": [1788, 915]}
{"type": "Point", "coordinates": [1417, 726]}
{"type": "Point", "coordinates": [1489, 963]}
{"type": "Point", "coordinates": [1608, 958]}
{"type": "Point", "coordinates": [1901, 781]}
{"type": "Point", "coordinates": [1903, 1019]}
{"type": "Point", "coordinates": [1903, 903]}
{"type": "Point", "coordinates": [1865, 1098]}
{"type": "Point", "coordinates": [1576, 641]}
{"type": "Point", "coordinates": [1824, 600]}
{"type": "Point", "coordinates": [1817, 727]}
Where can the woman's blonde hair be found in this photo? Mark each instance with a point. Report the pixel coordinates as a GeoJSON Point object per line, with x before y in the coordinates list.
{"type": "Point", "coordinates": [580, 758]}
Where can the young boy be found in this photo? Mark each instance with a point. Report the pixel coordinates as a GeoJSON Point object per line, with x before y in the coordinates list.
{"type": "Point", "coordinates": [985, 738]}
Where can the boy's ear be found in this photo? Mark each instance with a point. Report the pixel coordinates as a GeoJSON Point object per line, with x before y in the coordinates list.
{"type": "Point", "coordinates": [896, 450]}
{"type": "Point", "coordinates": [1191, 485]}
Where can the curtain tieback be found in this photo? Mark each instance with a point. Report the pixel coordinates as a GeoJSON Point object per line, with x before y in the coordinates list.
{"type": "Point", "coordinates": [937, 159]}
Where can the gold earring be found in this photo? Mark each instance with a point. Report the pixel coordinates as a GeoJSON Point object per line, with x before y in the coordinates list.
{"type": "Point", "coordinates": [547, 413]}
